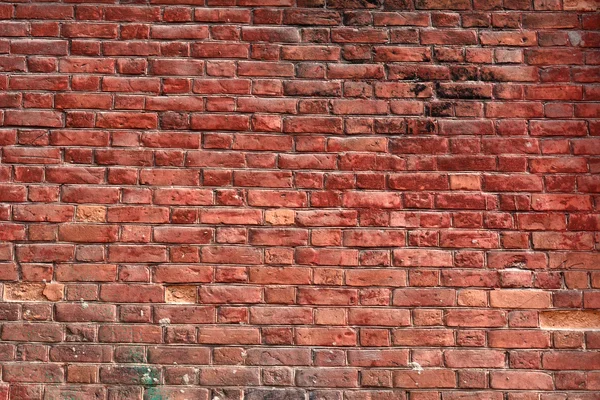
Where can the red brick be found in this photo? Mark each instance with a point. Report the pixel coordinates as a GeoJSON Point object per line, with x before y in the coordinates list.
{"type": "Point", "coordinates": [129, 292]}
{"type": "Point", "coordinates": [33, 372]}
{"type": "Point", "coordinates": [178, 355]}
{"type": "Point", "coordinates": [132, 253]}
{"type": "Point", "coordinates": [51, 119]}
{"type": "Point", "coordinates": [44, 252]}
{"type": "Point", "coordinates": [127, 120]}
{"type": "Point", "coordinates": [13, 193]}
{"type": "Point", "coordinates": [69, 137]}
{"type": "Point", "coordinates": [325, 337]}
{"type": "Point", "coordinates": [403, 54]}
{"type": "Point", "coordinates": [279, 315]}
{"type": "Point", "coordinates": [231, 255]}
{"type": "Point", "coordinates": [520, 299]}
{"type": "Point", "coordinates": [279, 275]}
{"type": "Point", "coordinates": [228, 335]}
{"type": "Point", "coordinates": [424, 297]}
{"type": "Point", "coordinates": [475, 358]}
{"type": "Point", "coordinates": [220, 50]}
{"type": "Point", "coordinates": [567, 360]}
{"type": "Point", "coordinates": [515, 339]}
{"type": "Point", "coordinates": [88, 233]}
{"type": "Point", "coordinates": [476, 318]}
{"type": "Point", "coordinates": [378, 317]}
{"type": "Point", "coordinates": [170, 197]}
{"type": "Point", "coordinates": [427, 379]}
{"type": "Point", "coordinates": [81, 313]}
{"type": "Point", "coordinates": [83, 195]}
{"type": "Point", "coordinates": [184, 314]}
{"type": "Point", "coordinates": [562, 240]}
{"type": "Point", "coordinates": [86, 272]}
{"type": "Point", "coordinates": [521, 380]}
{"type": "Point", "coordinates": [39, 47]}
{"type": "Point", "coordinates": [423, 337]}
{"type": "Point", "coordinates": [32, 332]}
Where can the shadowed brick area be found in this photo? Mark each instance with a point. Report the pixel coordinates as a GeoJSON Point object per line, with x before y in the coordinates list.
{"type": "Point", "coordinates": [300, 200]}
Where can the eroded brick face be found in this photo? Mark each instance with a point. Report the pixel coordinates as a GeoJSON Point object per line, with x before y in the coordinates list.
{"type": "Point", "coordinates": [300, 199]}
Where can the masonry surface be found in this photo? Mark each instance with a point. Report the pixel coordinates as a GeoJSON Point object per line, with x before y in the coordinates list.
{"type": "Point", "coordinates": [300, 199]}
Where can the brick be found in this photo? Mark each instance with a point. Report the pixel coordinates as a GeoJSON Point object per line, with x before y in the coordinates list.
{"type": "Point", "coordinates": [357, 71]}
{"type": "Point", "coordinates": [402, 54]}
{"type": "Point", "coordinates": [231, 255]}
{"type": "Point", "coordinates": [178, 355]}
{"type": "Point", "coordinates": [475, 358]}
{"type": "Point", "coordinates": [371, 200]}
{"type": "Point", "coordinates": [33, 372]}
{"type": "Point", "coordinates": [375, 277]}
{"type": "Point", "coordinates": [70, 137]}
{"type": "Point", "coordinates": [557, 128]}
{"type": "Point", "coordinates": [128, 375]}
{"type": "Point", "coordinates": [560, 202]}
{"type": "Point", "coordinates": [523, 38]}
{"type": "Point", "coordinates": [85, 313]}
{"type": "Point", "coordinates": [182, 314]}
{"type": "Point", "coordinates": [252, 68]}
{"type": "Point", "coordinates": [127, 253]}
{"type": "Point", "coordinates": [307, 16]}
{"type": "Point", "coordinates": [218, 50]}
{"type": "Point", "coordinates": [270, 34]}
{"type": "Point", "coordinates": [182, 235]}
{"type": "Point", "coordinates": [207, 122]}
{"type": "Point", "coordinates": [227, 335]}
{"type": "Point", "coordinates": [425, 379]}
{"type": "Point", "coordinates": [325, 337]}
{"type": "Point", "coordinates": [127, 120]}
{"type": "Point", "coordinates": [44, 253]}
{"type": "Point", "coordinates": [86, 272]}
{"type": "Point", "coordinates": [278, 315]}
{"type": "Point", "coordinates": [424, 297]}
{"type": "Point", "coordinates": [277, 275]}
{"type": "Point", "coordinates": [83, 195]}
{"type": "Point", "coordinates": [560, 240]}
{"type": "Point", "coordinates": [476, 318]}
{"type": "Point", "coordinates": [378, 317]}
{"type": "Point", "coordinates": [520, 299]}
{"type": "Point", "coordinates": [546, 57]}
{"type": "Point", "coordinates": [474, 239]}
{"type": "Point", "coordinates": [423, 337]}
{"type": "Point", "coordinates": [88, 233]}
{"type": "Point", "coordinates": [32, 332]}
{"type": "Point", "coordinates": [521, 380]}
{"type": "Point", "coordinates": [515, 339]}
{"type": "Point", "coordinates": [324, 377]}
{"type": "Point", "coordinates": [13, 193]}
{"type": "Point", "coordinates": [136, 293]}
{"type": "Point", "coordinates": [447, 37]}
{"type": "Point", "coordinates": [39, 47]}
{"type": "Point", "coordinates": [304, 53]}
{"type": "Point", "coordinates": [49, 119]}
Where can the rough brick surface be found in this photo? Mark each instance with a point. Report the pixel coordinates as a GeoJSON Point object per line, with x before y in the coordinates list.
{"type": "Point", "coordinates": [300, 199]}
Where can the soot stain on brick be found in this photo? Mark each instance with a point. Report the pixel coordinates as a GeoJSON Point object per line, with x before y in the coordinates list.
{"type": "Point", "coordinates": [461, 73]}
{"type": "Point", "coordinates": [439, 109]}
{"type": "Point", "coordinates": [463, 92]}
{"type": "Point", "coordinates": [418, 88]}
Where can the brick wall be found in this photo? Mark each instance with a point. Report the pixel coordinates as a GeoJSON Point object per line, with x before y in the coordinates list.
{"type": "Point", "coordinates": [287, 199]}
